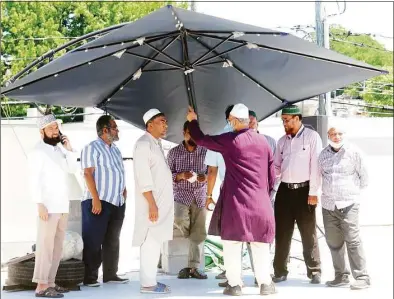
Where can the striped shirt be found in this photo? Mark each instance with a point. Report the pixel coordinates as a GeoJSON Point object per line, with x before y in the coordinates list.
{"type": "Point", "coordinates": [181, 160]}
{"type": "Point", "coordinates": [296, 159]}
{"type": "Point", "coordinates": [109, 174]}
{"type": "Point", "coordinates": [344, 175]}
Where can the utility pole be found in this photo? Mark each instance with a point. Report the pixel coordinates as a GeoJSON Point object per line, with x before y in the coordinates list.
{"type": "Point", "coordinates": [192, 5]}
{"type": "Point", "coordinates": [326, 28]}
{"type": "Point", "coordinates": [323, 40]}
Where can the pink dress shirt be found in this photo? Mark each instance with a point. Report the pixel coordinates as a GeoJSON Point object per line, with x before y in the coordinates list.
{"type": "Point", "coordinates": [296, 159]}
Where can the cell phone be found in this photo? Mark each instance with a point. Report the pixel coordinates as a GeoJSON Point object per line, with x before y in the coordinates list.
{"type": "Point", "coordinates": [61, 137]}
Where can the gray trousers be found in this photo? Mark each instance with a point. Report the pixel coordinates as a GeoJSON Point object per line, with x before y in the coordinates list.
{"type": "Point", "coordinates": [342, 227]}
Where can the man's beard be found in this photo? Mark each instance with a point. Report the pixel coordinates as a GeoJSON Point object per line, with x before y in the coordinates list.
{"type": "Point", "coordinates": [191, 143]}
{"type": "Point", "coordinates": [113, 138]}
{"type": "Point", "coordinates": [51, 141]}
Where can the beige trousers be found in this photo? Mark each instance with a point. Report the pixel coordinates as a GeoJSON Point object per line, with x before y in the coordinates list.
{"type": "Point", "coordinates": [189, 223]}
{"type": "Point", "coordinates": [49, 247]}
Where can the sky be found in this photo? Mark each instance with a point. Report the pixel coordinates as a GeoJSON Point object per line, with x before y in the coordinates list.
{"type": "Point", "coordinates": [359, 17]}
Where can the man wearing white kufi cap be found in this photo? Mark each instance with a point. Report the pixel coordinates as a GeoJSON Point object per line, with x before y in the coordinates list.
{"type": "Point", "coordinates": [49, 168]}
{"type": "Point", "coordinates": [344, 177]}
{"type": "Point", "coordinates": [154, 200]}
{"type": "Point", "coordinates": [243, 212]}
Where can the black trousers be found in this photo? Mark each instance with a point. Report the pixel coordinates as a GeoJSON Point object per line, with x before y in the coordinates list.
{"type": "Point", "coordinates": [291, 205]}
{"type": "Point", "coordinates": [100, 234]}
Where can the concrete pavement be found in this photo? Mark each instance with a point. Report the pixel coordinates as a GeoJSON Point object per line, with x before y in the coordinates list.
{"type": "Point", "coordinates": [378, 242]}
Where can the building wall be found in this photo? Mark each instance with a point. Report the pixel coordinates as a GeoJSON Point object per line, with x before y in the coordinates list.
{"type": "Point", "coordinates": [18, 213]}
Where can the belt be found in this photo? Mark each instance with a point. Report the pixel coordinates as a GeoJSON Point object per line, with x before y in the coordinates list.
{"type": "Point", "coordinates": [296, 185]}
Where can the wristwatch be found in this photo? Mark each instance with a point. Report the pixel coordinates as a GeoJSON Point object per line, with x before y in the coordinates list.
{"type": "Point", "coordinates": [209, 196]}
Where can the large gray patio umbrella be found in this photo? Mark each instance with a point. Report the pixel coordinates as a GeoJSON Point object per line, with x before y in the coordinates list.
{"type": "Point", "coordinates": [174, 57]}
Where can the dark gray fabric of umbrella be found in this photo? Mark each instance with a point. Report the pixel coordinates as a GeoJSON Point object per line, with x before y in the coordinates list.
{"type": "Point", "coordinates": [174, 57]}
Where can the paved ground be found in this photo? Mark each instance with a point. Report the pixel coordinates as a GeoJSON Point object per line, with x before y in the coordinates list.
{"type": "Point", "coordinates": [379, 251]}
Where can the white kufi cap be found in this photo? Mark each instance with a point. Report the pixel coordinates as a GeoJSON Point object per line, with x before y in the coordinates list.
{"type": "Point", "coordinates": [240, 111]}
{"type": "Point", "coordinates": [46, 120]}
{"type": "Point", "coordinates": [149, 114]}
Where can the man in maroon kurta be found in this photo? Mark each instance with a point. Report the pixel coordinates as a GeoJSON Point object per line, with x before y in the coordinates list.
{"type": "Point", "coordinates": [244, 198]}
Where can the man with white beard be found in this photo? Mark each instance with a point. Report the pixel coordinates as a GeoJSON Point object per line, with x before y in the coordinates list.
{"type": "Point", "coordinates": [344, 177]}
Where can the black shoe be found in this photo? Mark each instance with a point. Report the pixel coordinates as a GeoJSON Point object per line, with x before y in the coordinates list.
{"type": "Point", "coordinates": [278, 279]}
{"type": "Point", "coordinates": [233, 291]}
{"type": "Point", "coordinates": [116, 279]}
{"type": "Point", "coordinates": [316, 278]}
{"type": "Point", "coordinates": [267, 289]}
{"type": "Point", "coordinates": [91, 283]}
{"type": "Point", "coordinates": [339, 281]}
{"type": "Point", "coordinates": [225, 284]}
{"type": "Point", "coordinates": [360, 284]}
{"type": "Point", "coordinates": [255, 282]}
{"type": "Point", "coordinates": [221, 275]}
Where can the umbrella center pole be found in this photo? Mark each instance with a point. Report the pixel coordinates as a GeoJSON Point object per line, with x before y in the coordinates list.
{"type": "Point", "coordinates": [188, 71]}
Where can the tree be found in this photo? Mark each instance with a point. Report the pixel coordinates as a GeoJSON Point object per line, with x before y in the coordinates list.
{"type": "Point", "coordinates": [378, 90]}
{"type": "Point", "coordinates": [56, 23]}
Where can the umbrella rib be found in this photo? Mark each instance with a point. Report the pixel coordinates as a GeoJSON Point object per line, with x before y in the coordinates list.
{"type": "Point", "coordinates": [222, 53]}
{"type": "Point", "coordinates": [160, 70]}
{"type": "Point", "coordinates": [159, 36]}
{"type": "Point", "coordinates": [155, 60]}
{"type": "Point", "coordinates": [211, 50]}
{"type": "Point", "coordinates": [64, 46]}
{"type": "Point", "coordinates": [164, 54]}
{"type": "Point", "coordinates": [297, 54]}
{"type": "Point", "coordinates": [210, 63]}
{"type": "Point", "coordinates": [76, 66]}
{"type": "Point", "coordinates": [129, 78]}
{"type": "Point", "coordinates": [242, 72]}
{"type": "Point", "coordinates": [231, 32]}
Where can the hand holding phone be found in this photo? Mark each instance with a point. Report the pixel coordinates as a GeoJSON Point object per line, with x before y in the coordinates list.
{"type": "Point", "coordinates": [61, 137]}
{"type": "Point", "coordinates": [65, 142]}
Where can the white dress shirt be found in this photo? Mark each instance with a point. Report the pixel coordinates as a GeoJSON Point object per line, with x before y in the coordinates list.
{"type": "Point", "coordinates": [296, 159]}
{"type": "Point", "coordinates": [49, 169]}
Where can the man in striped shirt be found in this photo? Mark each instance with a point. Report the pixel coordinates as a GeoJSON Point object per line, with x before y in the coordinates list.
{"type": "Point", "coordinates": [344, 174]}
{"type": "Point", "coordinates": [103, 205]}
{"type": "Point", "coordinates": [189, 174]}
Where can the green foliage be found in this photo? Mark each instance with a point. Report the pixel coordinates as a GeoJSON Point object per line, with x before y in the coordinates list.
{"type": "Point", "coordinates": [378, 90]}
{"type": "Point", "coordinates": [24, 20]}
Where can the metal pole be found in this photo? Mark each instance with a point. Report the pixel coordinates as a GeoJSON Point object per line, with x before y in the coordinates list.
{"type": "Point", "coordinates": [320, 42]}
{"type": "Point", "coordinates": [192, 5]}
{"type": "Point", "coordinates": [326, 34]}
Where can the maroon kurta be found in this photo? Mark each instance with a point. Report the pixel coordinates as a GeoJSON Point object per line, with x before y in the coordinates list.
{"type": "Point", "coordinates": [243, 211]}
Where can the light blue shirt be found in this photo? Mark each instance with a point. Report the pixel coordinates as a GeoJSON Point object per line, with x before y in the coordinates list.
{"type": "Point", "coordinates": [215, 159]}
{"type": "Point", "coordinates": [109, 173]}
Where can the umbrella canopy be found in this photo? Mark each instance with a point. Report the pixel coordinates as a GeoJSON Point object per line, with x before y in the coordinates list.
{"type": "Point", "coordinates": [174, 57]}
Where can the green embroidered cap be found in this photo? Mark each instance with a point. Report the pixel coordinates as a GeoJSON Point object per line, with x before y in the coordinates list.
{"type": "Point", "coordinates": [291, 110]}
{"type": "Point", "coordinates": [252, 113]}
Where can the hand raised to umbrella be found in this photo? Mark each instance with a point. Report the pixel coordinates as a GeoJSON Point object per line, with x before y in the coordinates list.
{"type": "Point", "coordinates": [191, 115]}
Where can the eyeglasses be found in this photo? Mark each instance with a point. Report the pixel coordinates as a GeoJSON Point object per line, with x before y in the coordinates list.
{"type": "Point", "coordinates": [286, 121]}
{"type": "Point", "coordinates": [112, 128]}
